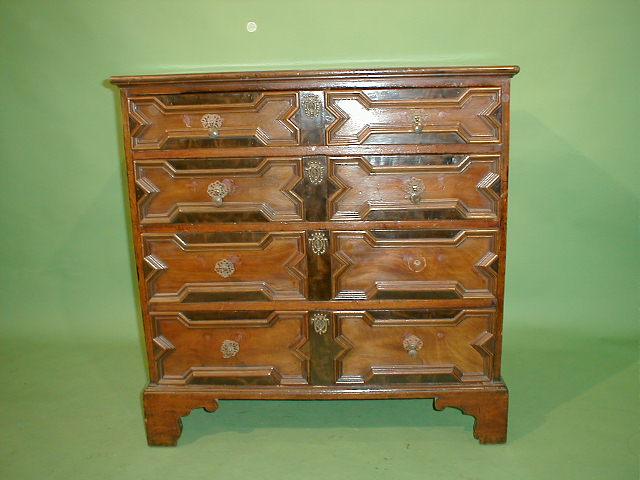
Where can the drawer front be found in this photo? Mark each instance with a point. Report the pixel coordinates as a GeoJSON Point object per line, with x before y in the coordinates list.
{"type": "Point", "coordinates": [414, 116]}
{"type": "Point", "coordinates": [386, 187]}
{"type": "Point", "coordinates": [421, 346]}
{"type": "Point", "coordinates": [415, 187]}
{"type": "Point", "coordinates": [219, 190]}
{"type": "Point", "coordinates": [414, 264]}
{"type": "Point", "coordinates": [209, 267]}
{"type": "Point", "coordinates": [323, 348]}
{"type": "Point", "coordinates": [227, 348]}
{"type": "Point", "coordinates": [205, 120]}
{"type": "Point", "coordinates": [376, 117]}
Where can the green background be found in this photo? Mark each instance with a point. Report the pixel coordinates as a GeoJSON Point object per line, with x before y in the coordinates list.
{"type": "Point", "coordinates": [71, 358]}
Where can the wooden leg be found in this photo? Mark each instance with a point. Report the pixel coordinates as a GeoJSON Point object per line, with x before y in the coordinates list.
{"type": "Point", "coordinates": [163, 412]}
{"type": "Point", "coordinates": [489, 407]}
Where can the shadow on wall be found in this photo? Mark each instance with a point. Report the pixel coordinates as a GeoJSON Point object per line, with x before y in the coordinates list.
{"type": "Point", "coordinates": [572, 246]}
{"type": "Point", "coordinates": [110, 297]}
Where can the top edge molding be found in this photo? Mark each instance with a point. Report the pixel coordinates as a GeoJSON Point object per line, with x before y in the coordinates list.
{"type": "Point", "coordinates": [381, 73]}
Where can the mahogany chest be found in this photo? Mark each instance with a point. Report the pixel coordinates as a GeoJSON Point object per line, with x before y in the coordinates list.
{"type": "Point", "coordinates": [320, 235]}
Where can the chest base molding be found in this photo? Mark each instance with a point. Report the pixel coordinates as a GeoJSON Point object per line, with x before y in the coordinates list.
{"type": "Point", "coordinates": [165, 406]}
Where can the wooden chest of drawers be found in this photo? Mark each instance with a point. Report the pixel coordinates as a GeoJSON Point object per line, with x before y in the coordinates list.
{"type": "Point", "coordinates": [320, 235]}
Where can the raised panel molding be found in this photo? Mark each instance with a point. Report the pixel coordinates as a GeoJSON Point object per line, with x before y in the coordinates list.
{"type": "Point", "coordinates": [456, 349]}
{"type": "Point", "coordinates": [267, 189]}
{"type": "Point", "coordinates": [470, 116]}
{"type": "Point", "coordinates": [414, 267]}
{"type": "Point", "coordinates": [268, 120]}
{"type": "Point", "coordinates": [470, 188]}
{"type": "Point", "coordinates": [271, 352]}
{"type": "Point", "coordinates": [271, 266]}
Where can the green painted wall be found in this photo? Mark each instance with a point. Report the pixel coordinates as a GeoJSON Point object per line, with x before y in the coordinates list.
{"type": "Point", "coordinates": [66, 274]}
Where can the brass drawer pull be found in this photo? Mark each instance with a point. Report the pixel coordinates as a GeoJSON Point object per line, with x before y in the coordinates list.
{"type": "Point", "coordinates": [318, 242]}
{"type": "Point", "coordinates": [225, 268]}
{"type": "Point", "coordinates": [320, 323]}
{"type": "Point", "coordinates": [412, 344]}
{"type": "Point", "coordinates": [229, 349]}
{"type": "Point", "coordinates": [212, 122]}
{"type": "Point", "coordinates": [414, 187]}
{"type": "Point", "coordinates": [218, 190]}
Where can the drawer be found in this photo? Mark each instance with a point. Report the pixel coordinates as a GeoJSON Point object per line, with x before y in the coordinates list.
{"type": "Point", "coordinates": [414, 264]}
{"type": "Point", "coordinates": [223, 266]}
{"type": "Point", "coordinates": [415, 346]}
{"type": "Point", "coordinates": [414, 116]}
{"type": "Point", "coordinates": [317, 188]}
{"type": "Point", "coordinates": [228, 348]}
{"type": "Point", "coordinates": [434, 115]}
{"type": "Point", "coordinates": [219, 190]}
{"type": "Point", "coordinates": [343, 265]}
{"type": "Point", "coordinates": [415, 187]}
{"type": "Point", "coordinates": [205, 120]}
{"type": "Point", "coordinates": [323, 348]}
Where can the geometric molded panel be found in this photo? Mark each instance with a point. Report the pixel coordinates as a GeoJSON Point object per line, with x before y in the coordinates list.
{"type": "Point", "coordinates": [429, 115]}
{"type": "Point", "coordinates": [163, 122]}
{"type": "Point", "coordinates": [458, 349]}
{"type": "Point", "coordinates": [209, 267]}
{"type": "Point", "coordinates": [262, 192]}
{"type": "Point", "coordinates": [414, 264]}
{"type": "Point", "coordinates": [268, 352]}
{"type": "Point", "coordinates": [377, 188]}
